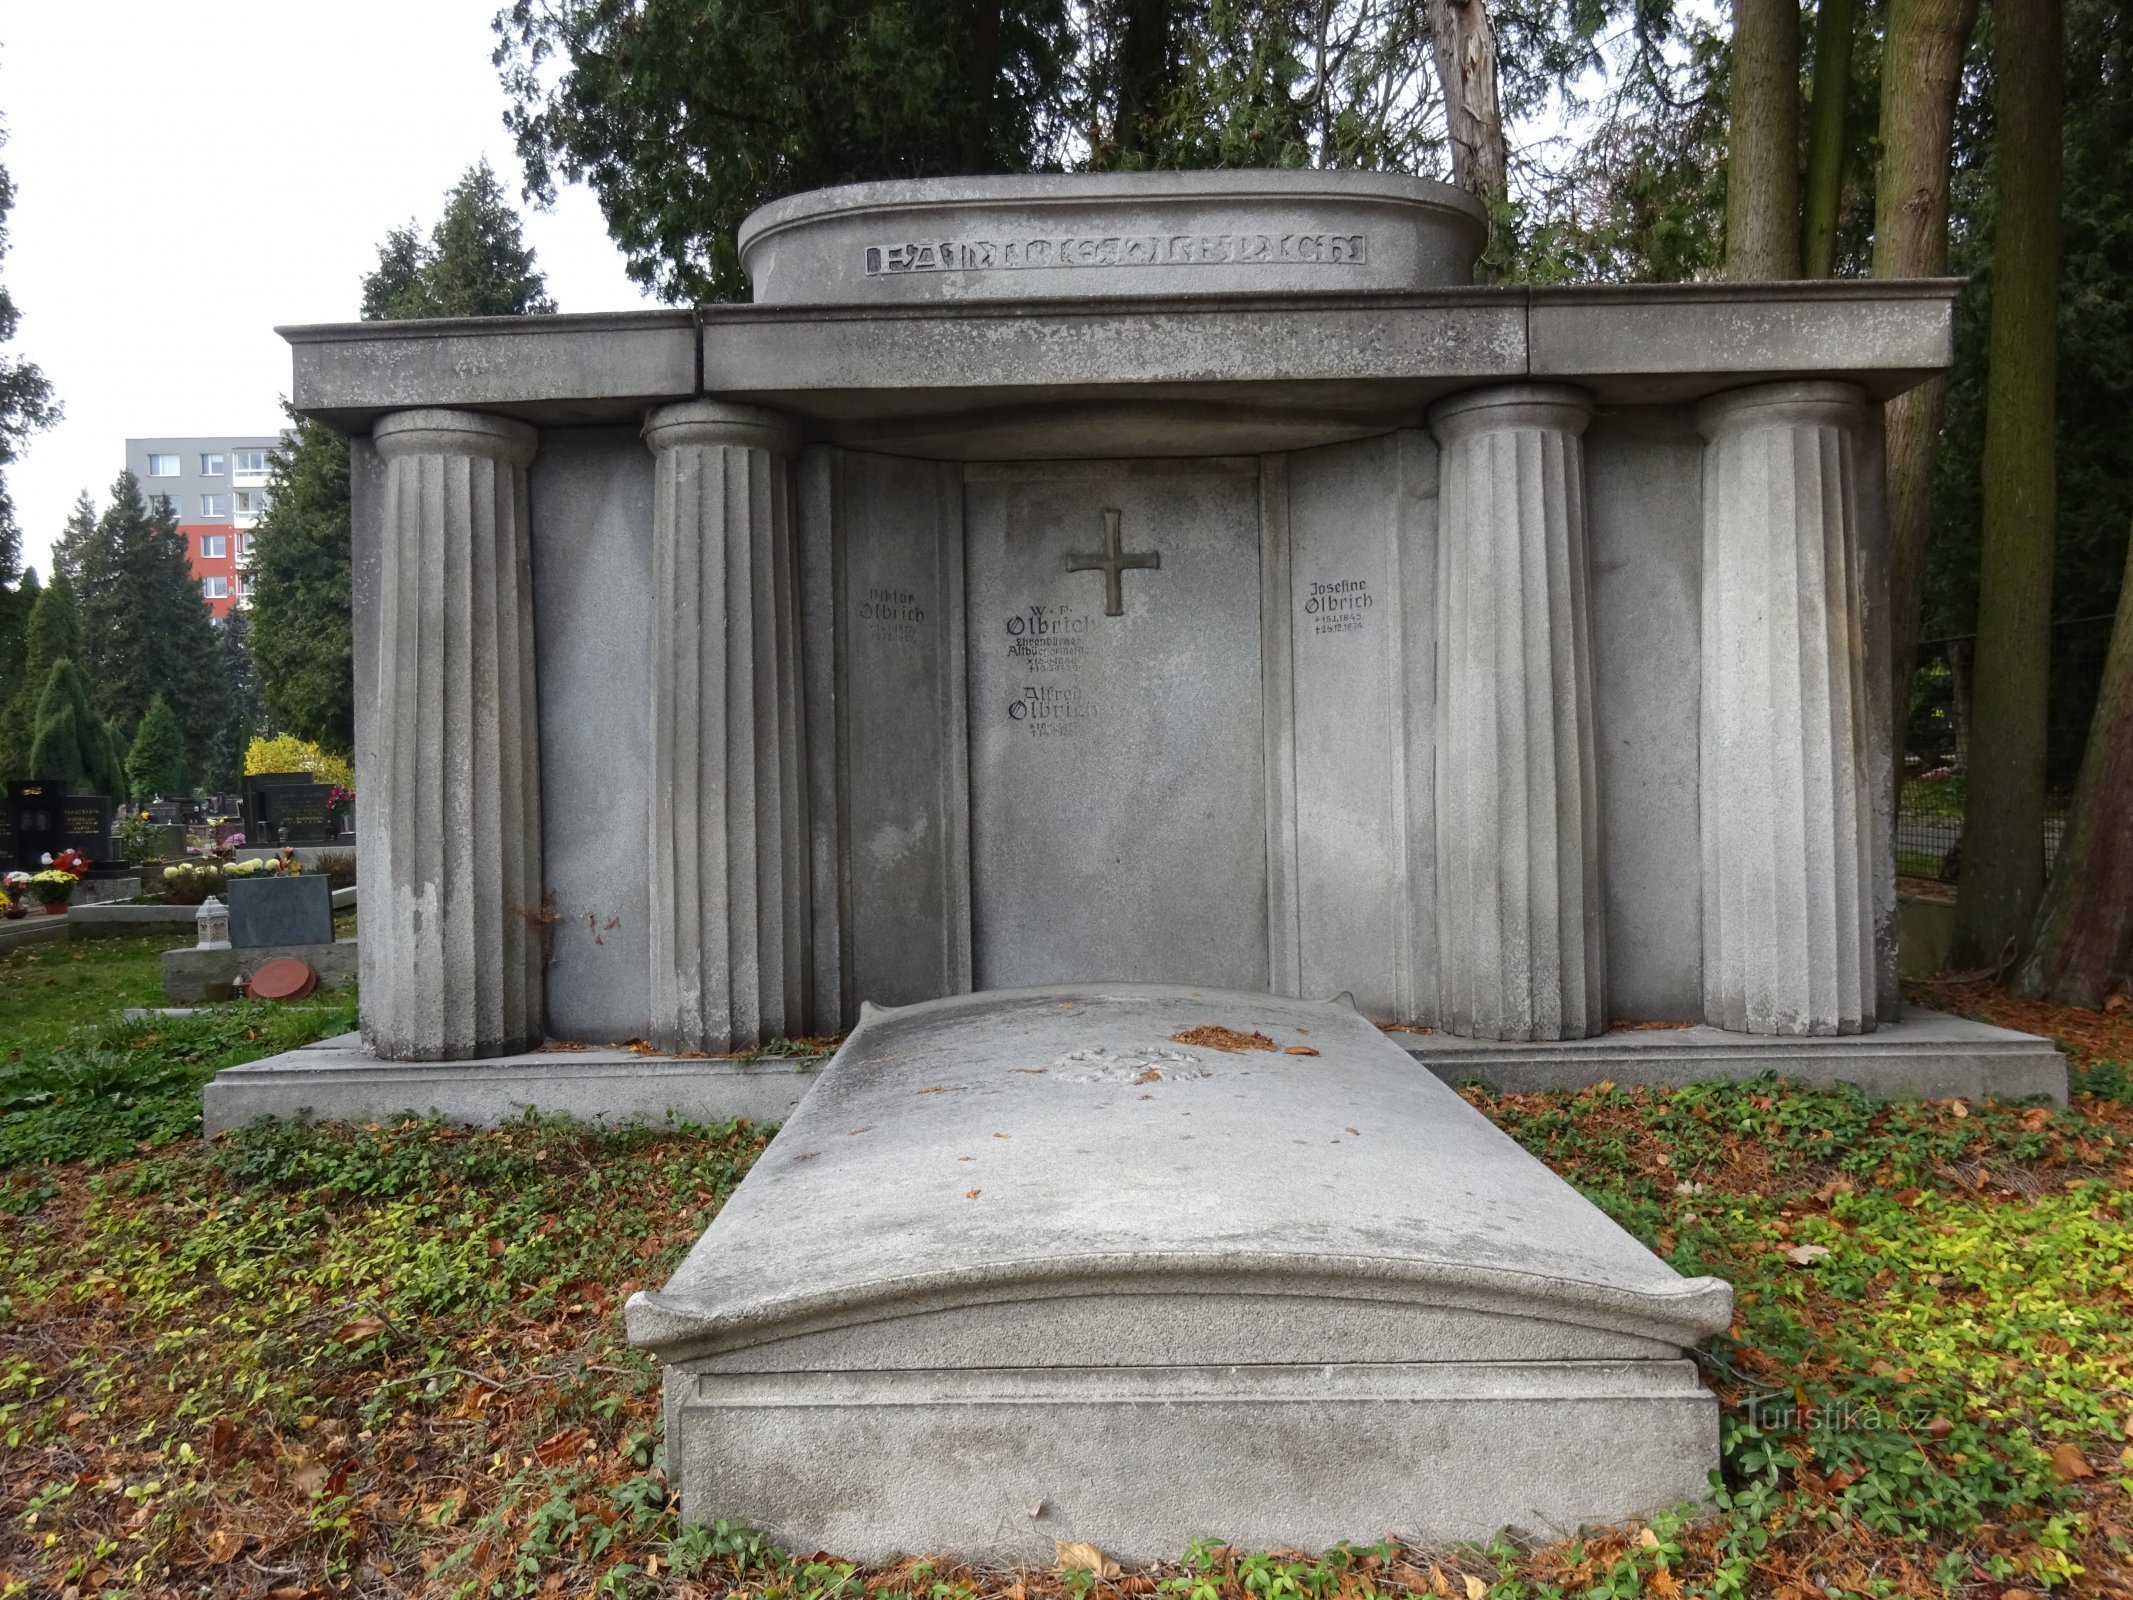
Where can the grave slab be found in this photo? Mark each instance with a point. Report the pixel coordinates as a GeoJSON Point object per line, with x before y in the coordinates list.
{"type": "Point", "coordinates": [1021, 1258]}
{"type": "Point", "coordinates": [280, 910]}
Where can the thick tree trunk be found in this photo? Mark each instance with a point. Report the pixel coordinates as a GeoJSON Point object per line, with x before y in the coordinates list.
{"type": "Point", "coordinates": [1836, 21]}
{"type": "Point", "coordinates": [1921, 74]}
{"type": "Point", "coordinates": [1763, 162]}
{"type": "Point", "coordinates": [2082, 952]}
{"type": "Point", "coordinates": [1464, 42]}
{"type": "Point", "coordinates": [2003, 831]}
{"type": "Point", "coordinates": [976, 142]}
{"type": "Point", "coordinates": [1143, 77]}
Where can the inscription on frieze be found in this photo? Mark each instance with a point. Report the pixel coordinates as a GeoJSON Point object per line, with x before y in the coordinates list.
{"type": "Point", "coordinates": [1117, 250]}
{"type": "Point", "coordinates": [1341, 606]}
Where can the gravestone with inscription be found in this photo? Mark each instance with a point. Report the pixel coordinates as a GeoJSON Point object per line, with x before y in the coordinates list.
{"type": "Point", "coordinates": [287, 808]}
{"type": "Point", "coordinates": [1187, 579]}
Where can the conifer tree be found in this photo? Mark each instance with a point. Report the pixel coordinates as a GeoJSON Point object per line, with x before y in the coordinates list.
{"type": "Point", "coordinates": [475, 264]}
{"type": "Point", "coordinates": [15, 605]}
{"type": "Point", "coordinates": [53, 635]}
{"type": "Point", "coordinates": [155, 766]}
{"type": "Point", "coordinates": [145, 627]}
{"type": "Point", "coordinates": [70, 745]}
{"type": "Point", "coordinates": [74, 538]}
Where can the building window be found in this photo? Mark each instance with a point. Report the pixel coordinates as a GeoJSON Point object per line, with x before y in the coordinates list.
{"type": "Point", "coordinates": [211, 466]}
{"type": "Point", "coordinates": [215, 588]}
{"type": "Point", "coordinates": [213, 546]}
{"type": "Point", "coordinates": [249, 463]}
{"type": "Point", "coordinates": [162, 466]}
{"type": "Point", "coordinates": [163, 505]}
{"type": "Point", "coordinates": [214, 505]}
{"type": "Point", "coordinates": [252, 502]}
{"type": "Point", "coordinates": [244, 547]}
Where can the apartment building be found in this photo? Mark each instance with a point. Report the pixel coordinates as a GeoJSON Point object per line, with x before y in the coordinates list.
{"type": "Point", "coordinates": [218, 487]}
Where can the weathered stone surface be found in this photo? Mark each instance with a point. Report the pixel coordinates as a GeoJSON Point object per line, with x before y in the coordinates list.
{"type": "Point", "coordinates": [887, 732]}
{"type": "Point", "coordinates": [1788, 857]}
{"type": "Point", "coordinates": [1019, 1254]}
{"type": "Point", "coordinates": [1927, 1055]}
{"type": "Point", "coordinates": [449, 803]}
{"type": "Point", "coordinates": [728, 863]}
{"type": "Point", "coordinates": [188, 973]}
{"type": "Point", "coordinates": [1117, 769]}
{"type": "Point", "coordinates": [1521, 927]}
{"type": "Point", "coordinates": [1102, 235]}
{"type": "Point", "coordinates": [334, 1080]}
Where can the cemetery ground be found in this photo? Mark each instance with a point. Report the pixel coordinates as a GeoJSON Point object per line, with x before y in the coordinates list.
{"type": "Point", "coordinates": [389, 1359]}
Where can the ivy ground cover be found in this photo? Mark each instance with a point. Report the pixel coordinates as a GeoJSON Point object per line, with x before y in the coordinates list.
{"type": "Point", "coordinates": [389, 1360]}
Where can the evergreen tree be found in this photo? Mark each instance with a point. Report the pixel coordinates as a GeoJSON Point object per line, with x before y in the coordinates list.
{"type": "Point", "coordinates": [73, 541]}
{"type": "Point", "coordinates": [15, 605]}
{"type": "Point", "coordinates": [69, 746]}
{"type": "Point", "coordinates": [26, 403]}
{"type": "Point", "coordinates": [398, 276]}
{"type": "Point", "coordinates": [145, 627]}
{"type": "Point", "coordinates": [302, 635]}
{"type": "Point", "coordinates": [476, 263]}
{"type": "Point", "coordinates": [155, 766]}
{"type": "Point", "coordinates": [53, 634]}
{"type": "Point", "coordinates": [247, 710]}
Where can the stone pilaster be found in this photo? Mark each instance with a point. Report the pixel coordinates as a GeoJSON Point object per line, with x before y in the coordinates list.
{"type": "Point", "coordinates": [1520, 923]}
{"type": "Point", "coordinates": [452, 803]}
{"type": "Point", "coordinates": [1788, 941]}
{"type": "Point", "coordinates": [728, 824]}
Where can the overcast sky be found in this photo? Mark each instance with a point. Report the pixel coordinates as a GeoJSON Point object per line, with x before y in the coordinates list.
{"type": "Point", "coordinates": [187, 176]}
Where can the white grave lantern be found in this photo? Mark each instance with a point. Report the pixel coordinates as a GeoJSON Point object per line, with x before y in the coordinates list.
{"type": "Point", "coordinates": [213, 922]}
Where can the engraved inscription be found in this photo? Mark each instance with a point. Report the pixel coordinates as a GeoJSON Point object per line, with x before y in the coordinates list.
{"type": "Point", "coordinates": [892, 616]}
{"type": "Point", "coordinates": [1117, 250]}
{"type": "Point", "coordinates": [1343, 606]}
{"type": "Point", "coordinates": [1048, 638]}
{"type": "Point", "coordinates": [1052, 710]}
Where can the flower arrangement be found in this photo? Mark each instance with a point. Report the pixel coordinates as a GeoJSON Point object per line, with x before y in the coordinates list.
{"type": "Point", "coordinates": [53, 887]}
{"type": "Point", "coordinates": [188, 883]}
{"type": "Point", "coordinates": [71, 862]}
{"type": "Point", "coordinates": [9, 908]}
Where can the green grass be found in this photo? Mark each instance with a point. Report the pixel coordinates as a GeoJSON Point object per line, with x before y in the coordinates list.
{"type": "Point", "coordinates": [50, 988]}
{"type": "Point", "coordinates": [78, 1084]}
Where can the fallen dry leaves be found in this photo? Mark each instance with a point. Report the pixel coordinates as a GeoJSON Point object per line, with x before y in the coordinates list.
{"type": "Point", "coordinates": [1213, 1036]}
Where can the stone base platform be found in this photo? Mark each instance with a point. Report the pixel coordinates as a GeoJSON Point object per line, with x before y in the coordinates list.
{"type": "Point", "coordinates": [1928, 1055]}
{"type": "Point", "coordinates": [334, 1080]}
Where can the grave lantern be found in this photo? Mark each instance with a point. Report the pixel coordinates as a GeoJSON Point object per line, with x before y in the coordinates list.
{"type": "Point", "coordinates": [213, 921]}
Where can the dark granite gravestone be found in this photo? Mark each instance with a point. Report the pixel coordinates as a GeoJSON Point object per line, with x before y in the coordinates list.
{"type": "Point", "coordinates": [85, 825]}
{"type": "Point", "coordinates": [286, 808]}
{"type": "Point", "coordinates": [30, 824]}
{"type": "Point", "coordinates": [280, 911]}
{"type": "Point", "coordinates": [296, 813]}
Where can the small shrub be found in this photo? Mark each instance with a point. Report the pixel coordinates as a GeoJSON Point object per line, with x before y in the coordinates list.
{"type": "Point", "coordinates": [337, 867]}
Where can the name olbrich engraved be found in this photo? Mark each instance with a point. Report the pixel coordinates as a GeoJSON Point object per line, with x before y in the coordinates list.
{"type": "Point", "coordinates": [1118, 250]}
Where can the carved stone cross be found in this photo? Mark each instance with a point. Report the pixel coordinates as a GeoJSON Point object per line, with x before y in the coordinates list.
{"type": "Point", "coordinates": [1111, 561]}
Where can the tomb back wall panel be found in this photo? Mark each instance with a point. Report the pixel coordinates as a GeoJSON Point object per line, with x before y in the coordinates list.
{"type": "Point", "coordinates": [1118, 776]}
{"type": "Point", "coordinates": [1359, 611]}
{"type": "Point", "coordinates": [882, 581]}
{"type": "Point", "coordinates": [1644, 485]}
{"type": "Point", "coordinates": [591, 492]}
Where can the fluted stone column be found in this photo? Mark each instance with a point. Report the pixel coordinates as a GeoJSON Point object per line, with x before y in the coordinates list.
{"type": "Point", "coordinates": [452, 802]}
{"type": "Point", "coordinates": [1520, 924]}
{"type": "Point", "coordinates": [1788, 944]}
{"type": "Point", "coordinates": [728, 830]}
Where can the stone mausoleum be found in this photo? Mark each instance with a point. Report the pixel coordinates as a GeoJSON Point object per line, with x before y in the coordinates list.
{"type": "Point", "coordinates": [1072, 629]}
{"type": "Point", "coordinates": [1180, 578]}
